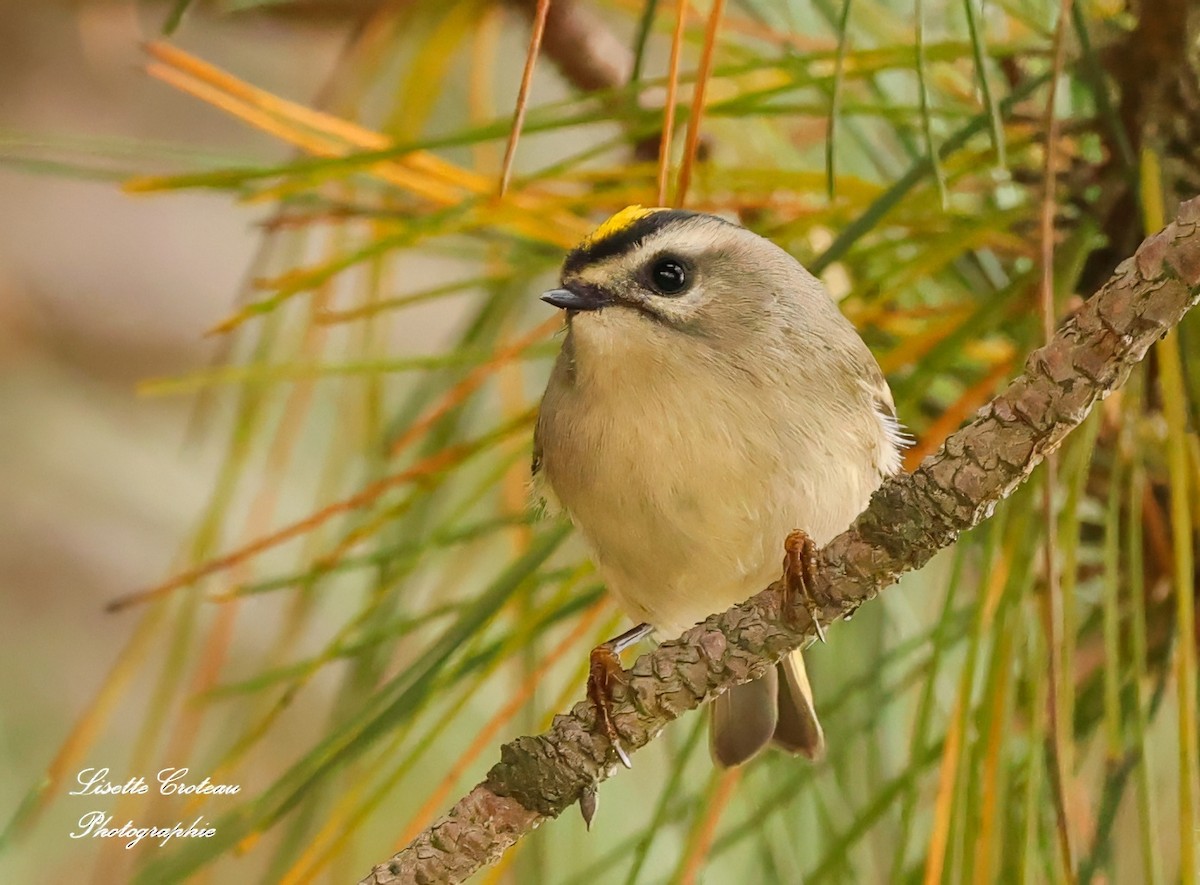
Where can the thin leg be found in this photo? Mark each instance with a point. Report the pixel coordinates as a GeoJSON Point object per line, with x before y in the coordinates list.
{"type": "Point", "coordinates": [799, 566]}
{"type": "Point", "coordinates": [604, 670]}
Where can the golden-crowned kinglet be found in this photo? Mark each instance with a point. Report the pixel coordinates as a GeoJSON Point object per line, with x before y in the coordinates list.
{"type": "Point", "coordinates": [708, 399]}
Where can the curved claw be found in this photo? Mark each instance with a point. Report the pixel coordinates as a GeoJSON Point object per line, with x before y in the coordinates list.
{"type": "Point", "coordinates": [799, 566]}
{"type": "Point", "coordinates": [605, 669]}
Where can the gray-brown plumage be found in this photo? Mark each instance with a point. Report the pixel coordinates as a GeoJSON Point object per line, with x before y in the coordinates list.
{"type": "Point", "coordinates": [709, 398]}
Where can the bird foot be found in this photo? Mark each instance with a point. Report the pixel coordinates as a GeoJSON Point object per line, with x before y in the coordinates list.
{"type": "Point", "coordinates": [799, 566]}
{"type": "Point", "coordinates": [604, 670]}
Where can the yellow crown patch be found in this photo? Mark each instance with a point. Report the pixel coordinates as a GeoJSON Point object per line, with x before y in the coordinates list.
{"type": "Point", "coordinates": [623, 220]}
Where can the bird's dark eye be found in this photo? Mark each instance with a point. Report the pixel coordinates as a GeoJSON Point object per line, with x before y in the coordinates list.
{"type": "Point", "coordinates": [668, 276]}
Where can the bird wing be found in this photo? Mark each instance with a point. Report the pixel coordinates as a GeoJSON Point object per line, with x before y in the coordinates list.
{"type": "Point", "coordinates": [541, 494]}
{"type": "Point", "coordinates": [896, 438]}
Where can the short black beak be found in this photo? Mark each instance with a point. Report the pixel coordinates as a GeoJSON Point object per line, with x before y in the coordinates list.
{"type": "Point", "coordinates": [569, 299]}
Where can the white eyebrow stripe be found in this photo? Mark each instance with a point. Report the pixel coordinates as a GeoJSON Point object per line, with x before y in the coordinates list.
{"type": "Point", "coordinates": [687, 239]}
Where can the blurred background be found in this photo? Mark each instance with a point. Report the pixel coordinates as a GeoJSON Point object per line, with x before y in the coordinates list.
{"type": "Point", "coordinates": [99, 291]}
{"type": "Point", "coordinates": [269, 345]}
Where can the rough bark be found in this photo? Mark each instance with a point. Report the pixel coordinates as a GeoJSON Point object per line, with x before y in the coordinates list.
{"type": "Point", "coordinates": [909, 519]}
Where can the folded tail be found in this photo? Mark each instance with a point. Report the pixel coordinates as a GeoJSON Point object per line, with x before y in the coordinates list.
{"type": "Point", "coordinates": [797, 729]}
{"type": "Point", "coordinates": [777, 708]}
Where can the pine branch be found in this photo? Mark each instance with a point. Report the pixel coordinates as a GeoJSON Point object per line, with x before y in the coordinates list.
{"type": "Point", "coordinates": [909, 519]}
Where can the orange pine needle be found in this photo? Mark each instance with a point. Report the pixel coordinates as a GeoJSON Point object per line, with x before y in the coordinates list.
{"type": "Point", "coordinates": [935, 857]}
{"type": "Point", "coordinates": [430, 165]}
{"type": "Point", "coordinates": [951, 419]}
{"type": "Point", "coordinates": [434, 463]}
{"type": "Point", "coordinates": [499, 872]}
{"type": "Point", "coordinates": [419, 172]}
{"type": "Point", "coordinates": [420, 182]}
{"type": "Point", "coordinates": [668, 130]}
{"type": "Point", "coordinates": [234, 106]}
{"type": "Point", "coordinates": [468, 385]}
{"type": "Point", "coordinates": [535, 46]}
{"type": "Point", "coordinates": [985, 838]}
{"type": "Point", "coordinates": [1058, 715]}
{"type": "Point", "coordinates": [692, 142]}
{"type": "Point", "coordinates": [174, 57]}
{"type": "Point", "coordinates": [356, 535]}
{"type": "Point", "coordinates": [693, 862]}
{"type": "Point", "coordinates": [483, 741]}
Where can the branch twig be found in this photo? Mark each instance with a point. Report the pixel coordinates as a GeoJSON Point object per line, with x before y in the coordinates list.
{"type": "Point", "coordinates": [909, 519]}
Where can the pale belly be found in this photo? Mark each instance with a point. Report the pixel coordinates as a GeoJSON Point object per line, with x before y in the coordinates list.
{"type": "Point", "coordinates": [675, 545]}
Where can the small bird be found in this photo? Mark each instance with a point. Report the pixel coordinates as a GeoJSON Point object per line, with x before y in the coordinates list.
{"type": "Point", "coordinates": [709, 398]}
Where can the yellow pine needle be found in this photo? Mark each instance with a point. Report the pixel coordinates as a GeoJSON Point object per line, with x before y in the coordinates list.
{"type": "Point", "coordinates": [433, 64]}
{"type": "Point", "coordinates": [1183, 485]}
{"type": "Point", "coordinates": [248, 112]}
{"type": "Point", "coordinates": [1182, 482]}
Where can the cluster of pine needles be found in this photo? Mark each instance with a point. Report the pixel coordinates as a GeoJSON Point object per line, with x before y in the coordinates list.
{"type": "Point", "coordinates": [368, 608]}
